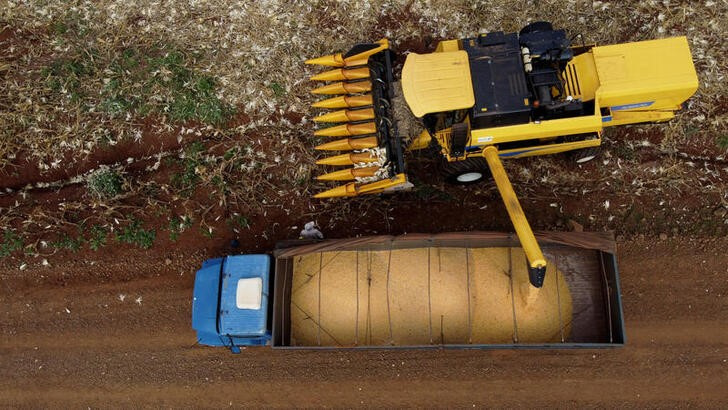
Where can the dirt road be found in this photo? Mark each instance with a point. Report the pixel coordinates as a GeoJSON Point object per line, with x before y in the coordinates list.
{"type": "Point", "coordinates": [116, 332]}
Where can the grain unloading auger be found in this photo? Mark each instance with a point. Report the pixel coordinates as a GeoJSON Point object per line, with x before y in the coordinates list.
{"type": "Point", "coordinates": [490, 97]}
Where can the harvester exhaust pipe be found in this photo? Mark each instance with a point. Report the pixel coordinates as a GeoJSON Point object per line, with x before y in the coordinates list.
{"type": "Point", "coordinates": [534, 256]}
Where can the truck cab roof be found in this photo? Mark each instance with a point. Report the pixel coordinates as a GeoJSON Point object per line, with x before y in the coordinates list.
{"type": "Point", "coordinates": [231, 299]}
{"type": "Point", "coordinates": [244, 295]}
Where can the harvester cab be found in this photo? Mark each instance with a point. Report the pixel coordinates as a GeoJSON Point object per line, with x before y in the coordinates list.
{"type": "Point", "coordinates": [494, 96]}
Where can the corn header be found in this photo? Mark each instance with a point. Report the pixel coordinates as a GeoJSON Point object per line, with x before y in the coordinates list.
{"type": "Point", "coordinates": [486, 98]}
{"type": "Point", "coordinates": [365, 78]}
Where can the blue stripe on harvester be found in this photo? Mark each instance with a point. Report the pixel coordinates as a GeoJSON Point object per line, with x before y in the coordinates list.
{"type": "Point", "coordinates": [513, 154]}
{"type": "Point", "coordinates": [632, 106]}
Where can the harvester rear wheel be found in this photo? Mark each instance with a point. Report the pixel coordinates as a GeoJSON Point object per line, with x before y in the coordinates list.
{"type": "Point", "coordinates": [466, 172]}
{"type": "Point", "coordinates": [536, 26]}
{"type": "Point", "coordinates": [581, 156]}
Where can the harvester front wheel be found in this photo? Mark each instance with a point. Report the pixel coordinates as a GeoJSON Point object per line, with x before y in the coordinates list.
{"type": "Point", "coordinates": [466, 172]}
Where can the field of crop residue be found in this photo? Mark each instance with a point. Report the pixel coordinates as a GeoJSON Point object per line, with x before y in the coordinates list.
{"type": "Point", "coordinates": [138, 138]}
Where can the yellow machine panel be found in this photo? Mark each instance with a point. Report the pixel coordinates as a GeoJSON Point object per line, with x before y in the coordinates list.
{"type": "Point", "coordinates": [531, 130]}
{"type": "Point", "coordinates": [448, 45]}
{"type": "Point", "coordinates": [437, 82]}
{"type": "Point", "coordinates": [580, 77]}
{"type": "Point", "coordinates": [646, 75]}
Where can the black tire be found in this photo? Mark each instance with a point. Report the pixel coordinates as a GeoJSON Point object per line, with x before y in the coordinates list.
{"type": "Point", "coordinates": [584, 155]}
{"type": "Point", "coordinates": [535, 27]}
{"type": "Point", "coordinates": [466, 172]}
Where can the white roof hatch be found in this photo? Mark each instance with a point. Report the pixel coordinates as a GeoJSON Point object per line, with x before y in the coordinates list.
{"type": "Point", "coordinates": [249, 293]}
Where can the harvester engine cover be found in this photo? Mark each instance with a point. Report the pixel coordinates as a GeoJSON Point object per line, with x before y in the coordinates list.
{"type": "Point", "coordinates": [514, 76]}
{"type": "Point", "coordinates": [499, 83]}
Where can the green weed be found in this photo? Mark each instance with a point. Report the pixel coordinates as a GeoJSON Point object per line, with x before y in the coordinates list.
{"type": "Point", "coordinates": [188, 178]}
{"type": "Point", "coordinates": [105, 183]}
{"type": "Point", "coordinates": [67, 75]}
{"type": "Point", "coordinates": [187, 95]}
{"type": "Point", "coordinates": [11, 242]}
{"type": "Point", "coordinates": [278, 90]}
{"type": "Point", "coordinates": [722, 141]}
{"type": "Point", "coordinates": [68, 242]}
{"type": "Point", "coordinates": [221, 184]}
{"type": "Point", "coordinates": [98, 237]}
{"type": "Point", "coordinates": [72, 23]}
{"type": "Point", "coordinates": [177, 226]}
{"type": "Point", "coordinates": [138, 81]}
{"type": "Point", "coordinates": [229, 154]}
{"type": "Point", "coordinates": [238, 221]}
{"type": "Point", "coordinates": [207, 232]}
{"type": "Point", "coordinates": [134, 234]}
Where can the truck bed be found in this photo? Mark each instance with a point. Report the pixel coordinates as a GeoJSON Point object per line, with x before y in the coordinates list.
{"type": "Point", "coordinates": [459, 290]}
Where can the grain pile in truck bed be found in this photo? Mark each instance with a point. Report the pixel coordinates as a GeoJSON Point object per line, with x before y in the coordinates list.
{"type": "Point", "coordinates": [423, 296]}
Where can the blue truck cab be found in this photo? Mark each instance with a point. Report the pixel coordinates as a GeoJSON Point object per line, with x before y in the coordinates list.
{"type": "Point", "coordinates": [230, 305]}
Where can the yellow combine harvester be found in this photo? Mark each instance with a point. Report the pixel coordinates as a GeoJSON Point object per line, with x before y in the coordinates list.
{"type": "Point", "coordinates": [489, 97]}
